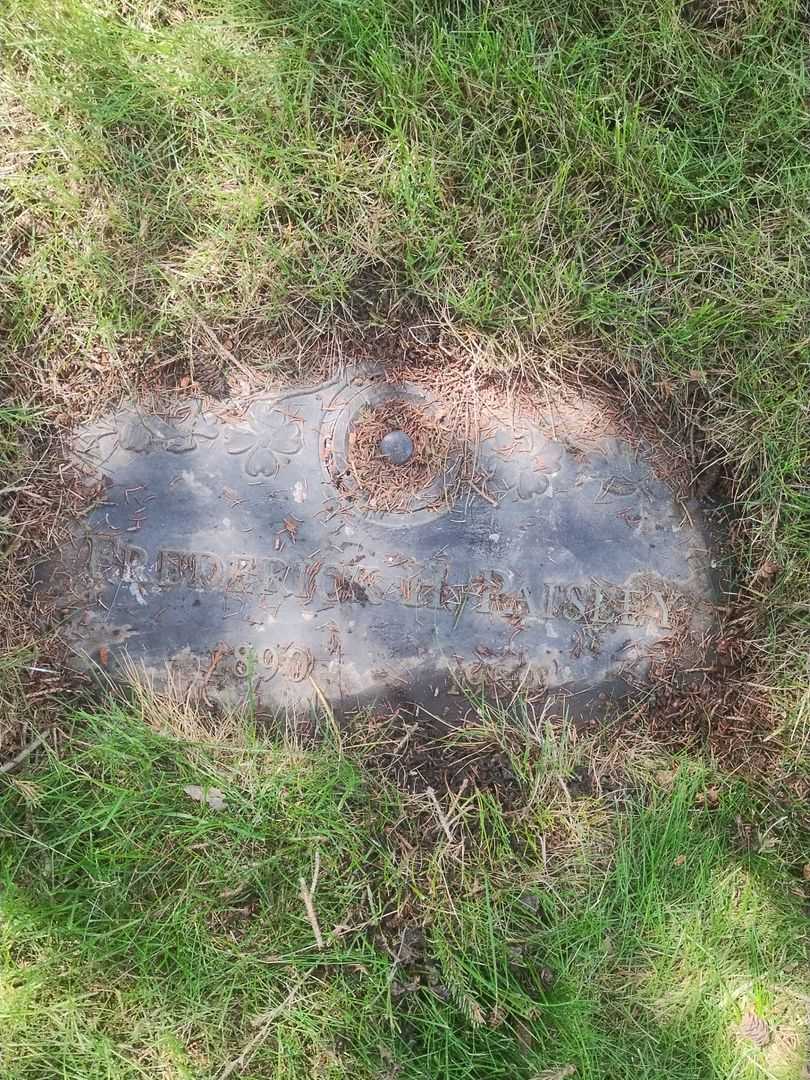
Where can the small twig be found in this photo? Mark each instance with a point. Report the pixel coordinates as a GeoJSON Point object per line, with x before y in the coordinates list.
{"type": "Point", "coordinates": [219, 652]}
{"type": "Point", "coordinates": [14, 763]}
{"type": "Point", "coordinates": [567, 794]}
{"type": "Point", "coordinates": [409, 730]}
{"type": "Point", "coordinates": [456, 799]}
{"type": "Point", "coordinates": [329, 713]}
{"type": "Point", "coordinates": [445, 824]}
{"type": "Point", "coordinates": [266, 1022]}
{"type": "Point", "coordinates": [551, 415]}
{"type": "Point", "coordinates": [224, 352]}
{"type": "Point", "coordinates": [483, 494]}
{"type": "Point", "coordinates": [306, 896]}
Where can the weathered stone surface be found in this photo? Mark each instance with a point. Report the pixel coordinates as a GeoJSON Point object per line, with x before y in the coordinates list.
{"type": "Point", "coordinates": [236, 556]}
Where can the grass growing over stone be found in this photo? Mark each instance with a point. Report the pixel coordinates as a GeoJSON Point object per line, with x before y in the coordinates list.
{"type": "Point", "coordinates": [575, 189]}
{"type": "Point", "coordinates": [148, 934]}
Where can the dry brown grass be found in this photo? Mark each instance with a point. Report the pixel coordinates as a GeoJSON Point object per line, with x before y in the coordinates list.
{"type": "Point", "coordinates": [34, 515]}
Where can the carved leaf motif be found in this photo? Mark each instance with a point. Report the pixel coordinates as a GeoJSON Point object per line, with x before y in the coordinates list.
{"type": "Point", "coordinates": [270, 437]}
{"type": "Point", "coordinates": [262, 414]}
{"type": "Point", "coordinates": [167, 436]}
{"type": "Point", "coordinates": [240, 440]}
{"type": "Point", "coordinates": [140, 433]}
{"type": "Point", "coordinates": [277, 429]}
{"type": "Point", "coordinates": [135, 436]}
{"type": "Point", "coordinates": [288, 440]}
{"type": "Point", "coordinates": [261, 462]}
{"type": "Point", "coordinates": [531, 483]}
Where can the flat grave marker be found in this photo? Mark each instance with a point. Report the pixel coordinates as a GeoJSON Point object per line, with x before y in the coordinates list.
{"type": "Point", "coordinates": [354, 544]}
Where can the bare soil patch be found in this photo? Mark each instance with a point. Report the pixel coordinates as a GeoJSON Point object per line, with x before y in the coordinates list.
{"type": "Point", "coordinates": [420, 753]}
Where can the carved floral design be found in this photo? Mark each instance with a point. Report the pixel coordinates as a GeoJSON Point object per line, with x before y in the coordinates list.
{"type": "Point", "coordinates": [513, 463]}
{"type": "Point", "coordinates": [270, 438]}
{"type": "Point", "coordinates": [140, 432]}
{"type": "Point", "coordinates": [530, 483]}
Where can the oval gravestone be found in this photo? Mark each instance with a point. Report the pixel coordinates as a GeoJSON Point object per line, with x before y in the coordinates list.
{"type": "Point", "coordinates": [365, 543]}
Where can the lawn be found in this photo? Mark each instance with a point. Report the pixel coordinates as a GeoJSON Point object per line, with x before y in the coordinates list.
{"type": "Point", "coordinates": [201, 193]}
{"type": "Point", "coordinates": [147, 933]}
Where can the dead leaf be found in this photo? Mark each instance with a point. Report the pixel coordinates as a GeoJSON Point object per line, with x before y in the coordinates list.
{"type": "Point", "coordinates": [103, 655]}
{"type": "Point", "coordinates": [755, 1029]}
{"type": "Point", "coordinates": [213, 796]}
{"type": "Point", "coordinates": [768, 571]}
{"type": "Point", "coordinates": [496, 1017]}
{"type": "Point", "coordinates": [679, 860]}
{"type": "Point", "coordinates": [806, 871]}
{"type": "Point", "coordinates": [291, 526]}
{"type": "Point", "coordinates": [710, 798]}
{"type": "Point", "coordinates": [665, 777]}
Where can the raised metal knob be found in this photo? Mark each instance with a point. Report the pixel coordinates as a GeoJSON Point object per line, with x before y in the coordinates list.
{"type": "Point", "coordinates": [397, 447]}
